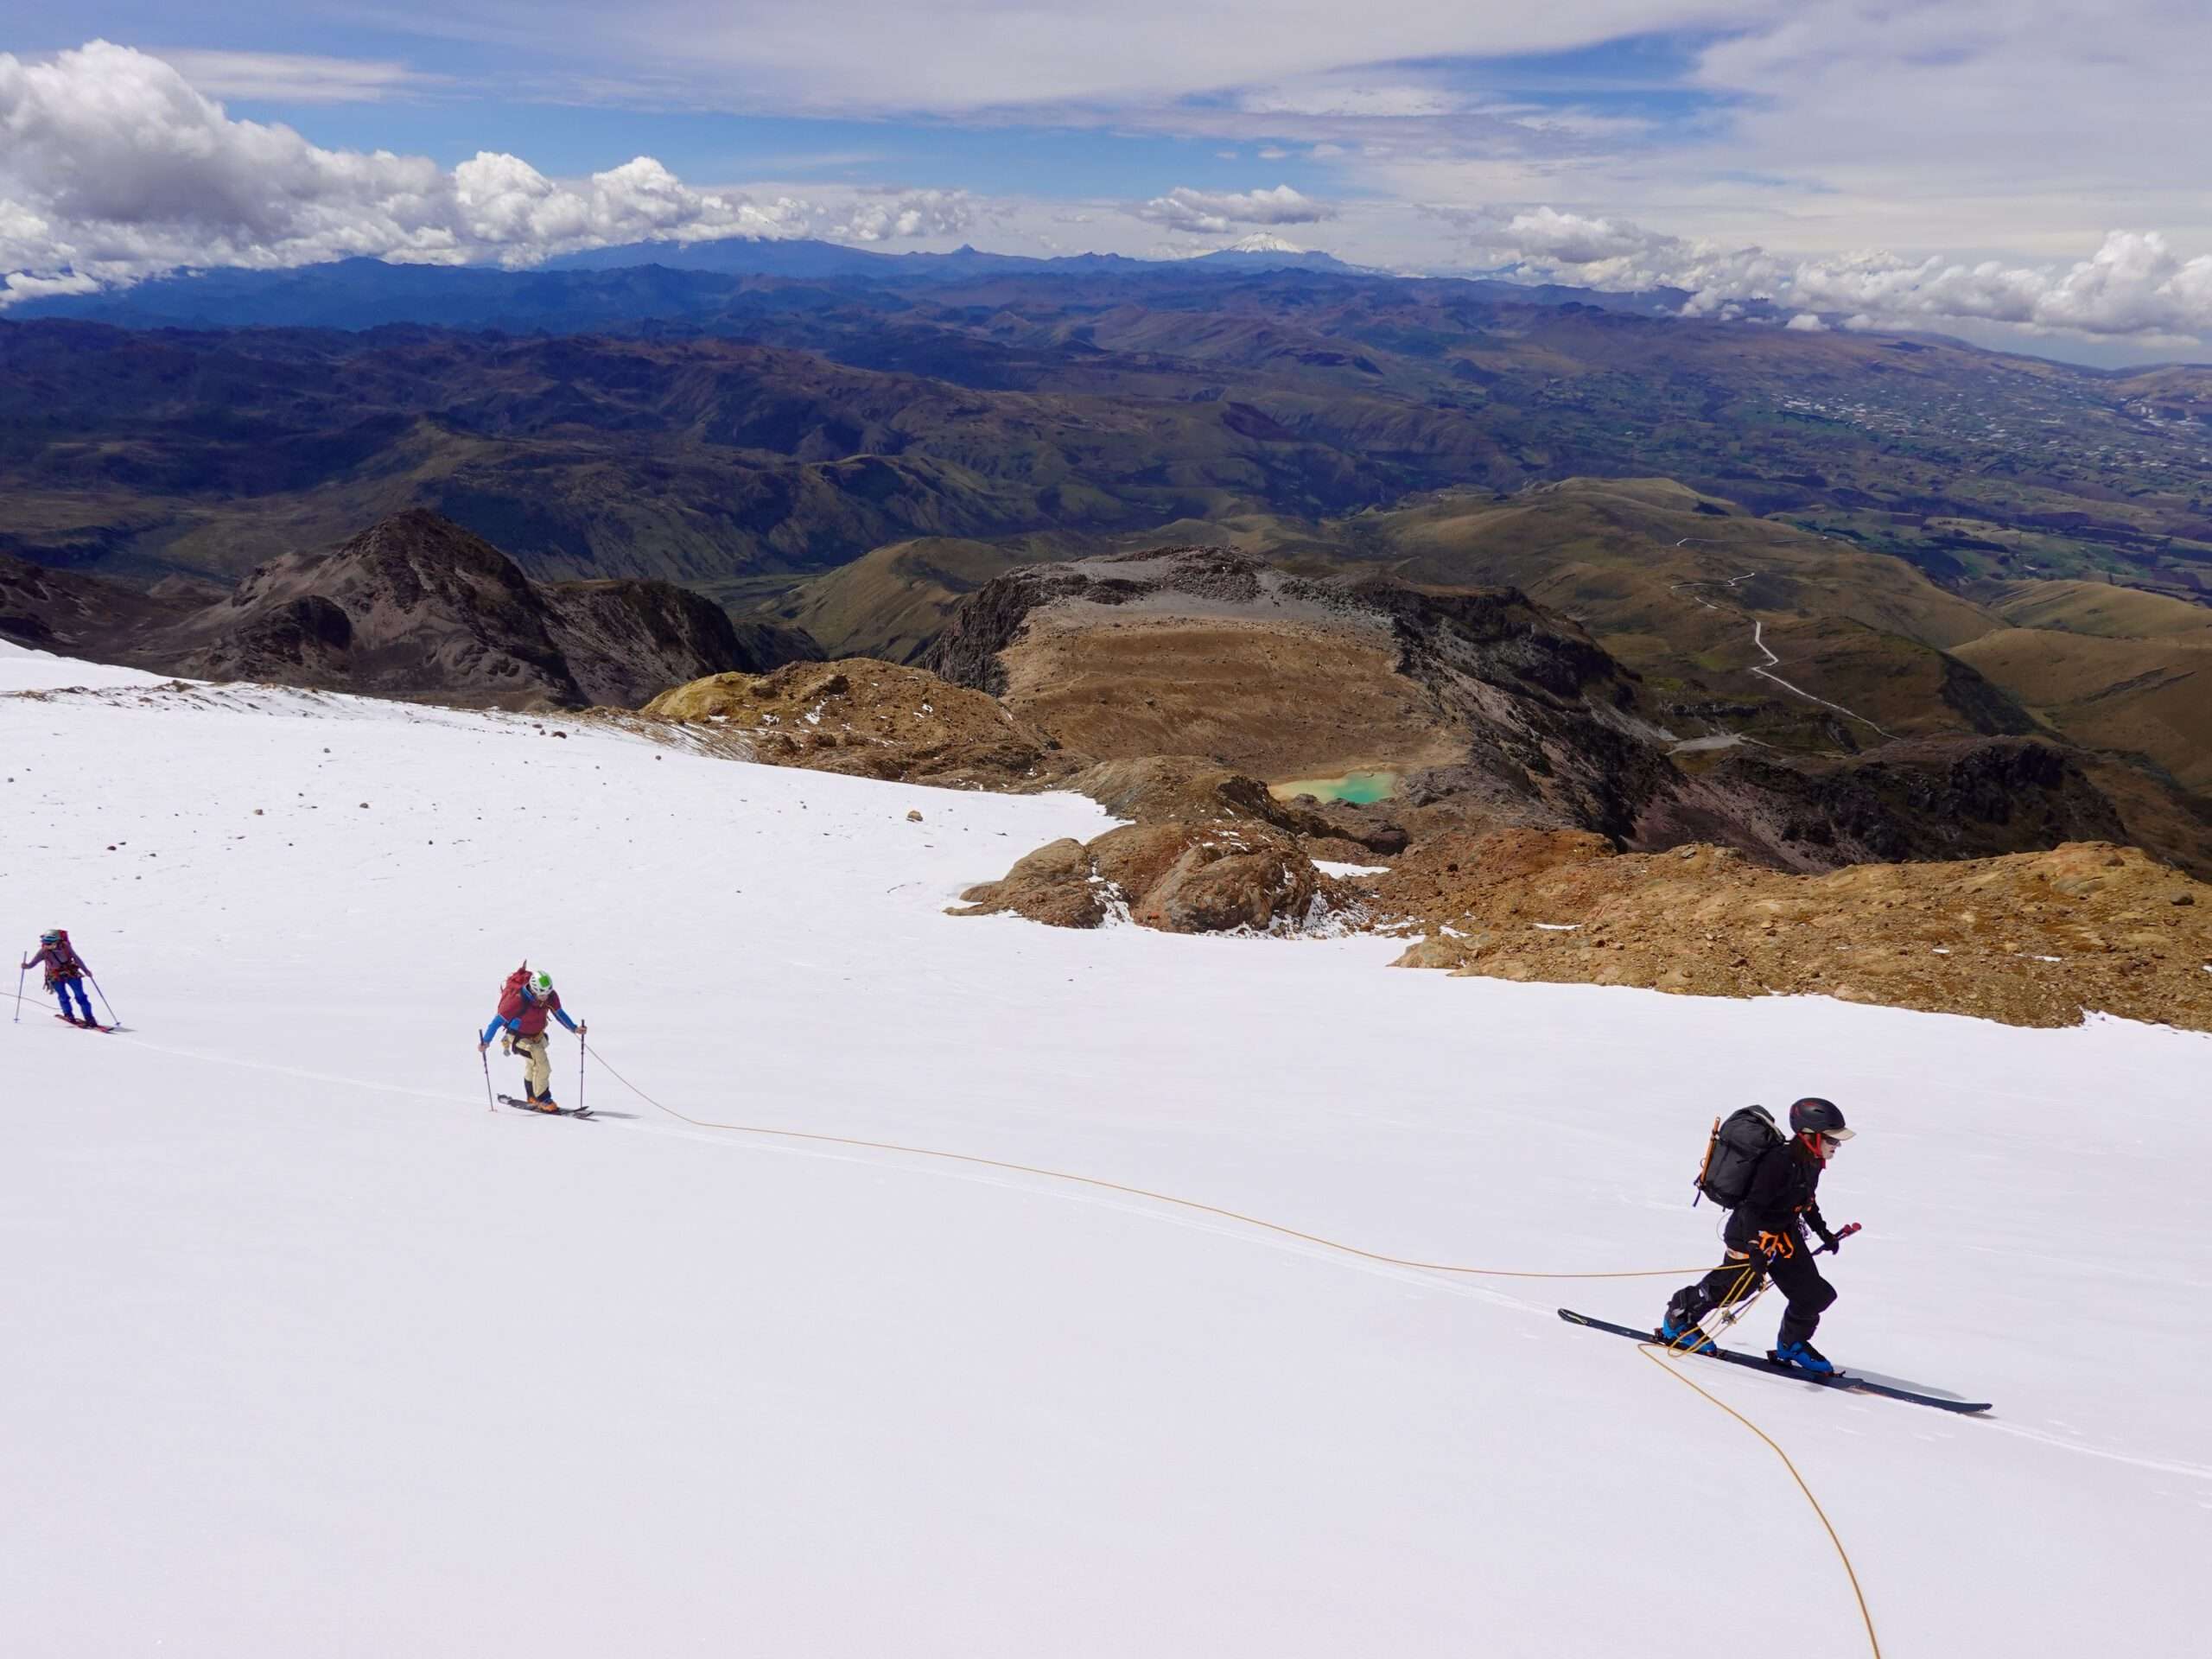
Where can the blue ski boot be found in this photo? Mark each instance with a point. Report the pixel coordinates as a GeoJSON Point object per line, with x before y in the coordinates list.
{"type": "Point", "coordinates": [1804, 1356]}
{"type": "Point", "coordinates": [1688, 1339]}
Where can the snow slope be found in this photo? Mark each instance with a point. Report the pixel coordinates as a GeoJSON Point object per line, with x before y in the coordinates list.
{"type": "Point", "coordinates": [309, 1353]}
{"type": "Point", "coordinates": [23, 669]}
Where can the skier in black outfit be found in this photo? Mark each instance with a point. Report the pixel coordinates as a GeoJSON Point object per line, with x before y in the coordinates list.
{"type": "Point", "coordinates": [1765, 1237]}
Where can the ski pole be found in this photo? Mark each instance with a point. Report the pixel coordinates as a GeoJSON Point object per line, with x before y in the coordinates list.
{"type": "Point", "coordinates": [24, 969]}
{"type": "Point", "coordinates": [105, 1003]}
{"type": "Point", "coordinates": [486, 1060]}
{"type": "Point", "coordinates": [582, 1043]}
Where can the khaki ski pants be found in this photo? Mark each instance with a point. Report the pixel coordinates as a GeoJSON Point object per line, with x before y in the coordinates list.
{"type": "Point", "coordinates": [536, 1062]}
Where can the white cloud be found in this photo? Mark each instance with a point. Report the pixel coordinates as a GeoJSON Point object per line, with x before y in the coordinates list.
{"type": "Point", "coordinates": [1353, 96]}
{"type": "Point", "coordinates": [1806, 322]}
{"type": "Point", "coordinates": [296, 77]}
{"type": "Point", "coordinates": [112, 167]}
{"type": "Point", "coordinates": [2135, 284]}
{"type": "Point", "coordinates": [887, 215]}
{"type": "Point", "coordinates": [1215, 212]}
{"type": "Point", "coordinates": [954, 56]}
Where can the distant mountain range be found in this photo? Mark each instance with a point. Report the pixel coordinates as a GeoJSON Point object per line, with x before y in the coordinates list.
{"type": "Point", "coordinates": [698, 285]}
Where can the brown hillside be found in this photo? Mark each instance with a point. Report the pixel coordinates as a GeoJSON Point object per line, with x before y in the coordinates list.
{"type": "Point", "coordinates": [892, 602]}
{"type": "Point", "coordinates": [2033, 939]}
{"type": "Point", "coordinates": [2097, 607]}
{"type": "Point", "coordinates": [2149, 697]}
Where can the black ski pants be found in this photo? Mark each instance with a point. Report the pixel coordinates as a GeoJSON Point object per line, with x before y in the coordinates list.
{"type": "Point", "coordinates": [1790, 1266]}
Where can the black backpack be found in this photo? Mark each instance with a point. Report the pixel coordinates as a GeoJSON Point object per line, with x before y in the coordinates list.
{"type": "Point", "coordinates": [1736, 1144]}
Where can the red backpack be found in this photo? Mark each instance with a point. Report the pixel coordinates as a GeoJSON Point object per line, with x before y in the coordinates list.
{"type": "Point", "coordinates": [510, 999]}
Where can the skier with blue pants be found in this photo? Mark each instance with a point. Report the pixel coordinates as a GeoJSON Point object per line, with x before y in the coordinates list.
{"type": "Point", "coordinates": [65, 972]}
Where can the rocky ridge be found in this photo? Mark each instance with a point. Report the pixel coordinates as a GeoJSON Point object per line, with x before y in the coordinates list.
{"type": "Point", "coordinates": [414, 607]}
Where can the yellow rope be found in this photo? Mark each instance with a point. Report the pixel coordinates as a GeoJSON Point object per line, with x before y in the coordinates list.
{"type": "Point", "coordinates": [1119, 1187]}
{"type": "Point", "coordinates": [1730, 1312]}
{"type": "Point", "coordinates": [1651, 1352]}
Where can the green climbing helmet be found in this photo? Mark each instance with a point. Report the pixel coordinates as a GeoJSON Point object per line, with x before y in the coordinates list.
{"type": "Point", "coordinates": [541, 986]}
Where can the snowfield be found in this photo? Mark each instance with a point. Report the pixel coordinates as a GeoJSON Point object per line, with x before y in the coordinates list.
{"type": "Point", "coordinates": [308, 1353]}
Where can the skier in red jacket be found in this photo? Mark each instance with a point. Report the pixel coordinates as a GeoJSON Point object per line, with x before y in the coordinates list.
{"type": "Point", "coordinates": [527, 1001]}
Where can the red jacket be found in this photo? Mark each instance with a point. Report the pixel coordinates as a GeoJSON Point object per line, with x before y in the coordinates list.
{"type": "Point", "coordinates": [526, 1016]}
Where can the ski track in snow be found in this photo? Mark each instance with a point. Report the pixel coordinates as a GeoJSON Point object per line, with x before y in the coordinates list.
{"type": "Point", "coordinates": [762, 1141]}
{"type": "Point", "coordinates": [322, 1356]}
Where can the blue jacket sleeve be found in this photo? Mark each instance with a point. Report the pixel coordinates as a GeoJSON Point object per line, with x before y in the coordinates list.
{"type": "Point", "coordinates": [561, 1014]}
{"type": "Point", "coordinates": [497, 1026]}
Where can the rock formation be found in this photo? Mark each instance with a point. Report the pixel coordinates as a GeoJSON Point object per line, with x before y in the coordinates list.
{"type": "Point", "coordinates": [870, 719]}
{"type": "Point", "coordinates": [413, 607]}
{"type": "Point", "coordinates": [1179, 878]}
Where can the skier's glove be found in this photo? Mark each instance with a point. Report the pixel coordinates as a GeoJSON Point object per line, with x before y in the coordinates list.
{"type": "Point", "coordinates": [481, 1045]}
{"type": "Point", "coordinates": [1832, 1243]}
{"type": "Point", "coordinates": [582, 1026]}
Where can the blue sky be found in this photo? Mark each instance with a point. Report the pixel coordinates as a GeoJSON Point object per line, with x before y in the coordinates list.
{"type": "Point", "coordinates": [1962, 163]}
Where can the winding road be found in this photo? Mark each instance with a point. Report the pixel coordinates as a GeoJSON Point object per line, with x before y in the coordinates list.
{"type": "Point", "coordinates": [1758, 644]}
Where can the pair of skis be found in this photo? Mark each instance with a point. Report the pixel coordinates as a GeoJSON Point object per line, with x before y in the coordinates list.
{"type": "Point", "coordinates": [531, 1106]}
{"type": "Point", "coordinates": [1781, 1368]}
{"type": "Point", "coordinates": [82, 1024]}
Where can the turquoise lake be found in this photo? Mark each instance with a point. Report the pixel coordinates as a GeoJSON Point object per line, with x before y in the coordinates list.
{"type": "Point", "coordinates": [1357, 787]}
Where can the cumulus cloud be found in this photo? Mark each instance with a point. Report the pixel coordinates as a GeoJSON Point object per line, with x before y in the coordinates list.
{"type": "Point", "coordinates": [113, 166]}
{"type": "Point", "coordinates": [1806, 323]}
{"type": "Point", "coordinates": [2135, 284]}
{"type": "Point", "coordinates": [1216, 212]}
{"type": "Point", "coordinates": [888, 215]}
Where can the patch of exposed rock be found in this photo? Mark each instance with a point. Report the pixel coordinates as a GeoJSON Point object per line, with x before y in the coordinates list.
{"type": "Point", "coordinates": [1180, 789]}
{"type": "Point", "coordinates": [1179, 878]}
{"type": "Point", "coordinates": [867, 719]}
{"type": "Point", "coordinates": [2030, 939]}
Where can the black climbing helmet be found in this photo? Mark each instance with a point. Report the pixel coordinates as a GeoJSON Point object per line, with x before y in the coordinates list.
{"type": "Point", "coordinates": [1813, 1116]}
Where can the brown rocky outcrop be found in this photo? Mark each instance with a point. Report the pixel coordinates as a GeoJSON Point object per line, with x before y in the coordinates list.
{"type": "Point", "coordinates": [2033, 938]}
{"type": "Point", "coordinates": [867, 719]}
{"type": "Point", "coordinates": [1176, 877]}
